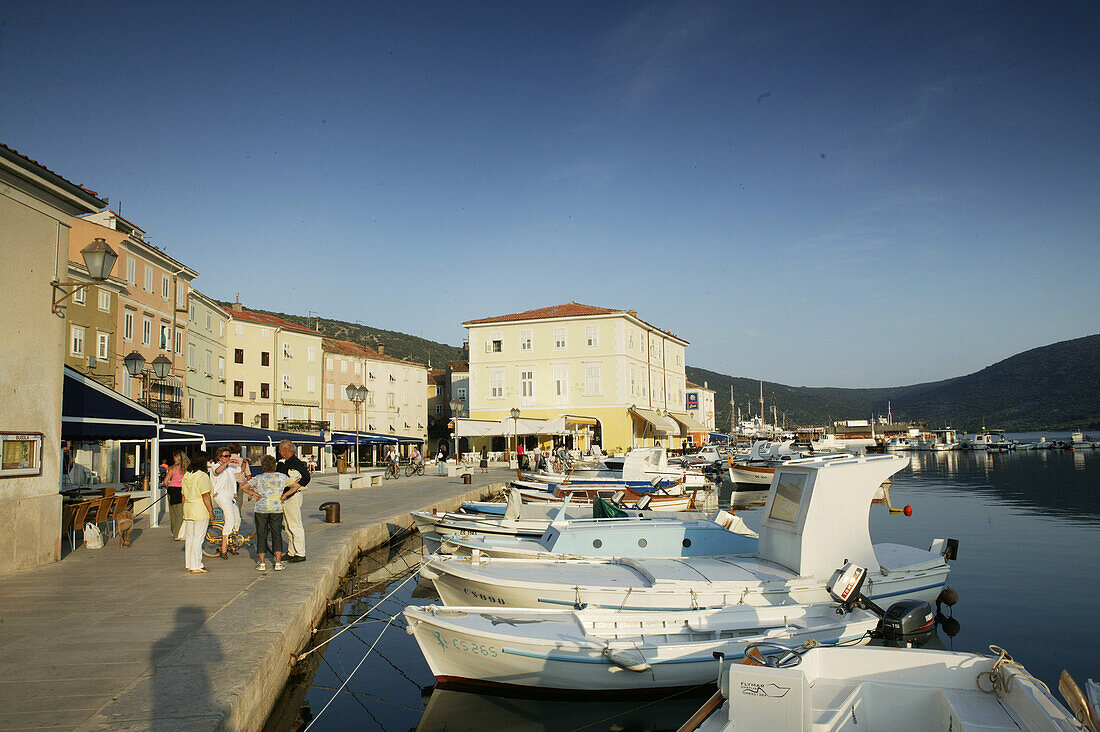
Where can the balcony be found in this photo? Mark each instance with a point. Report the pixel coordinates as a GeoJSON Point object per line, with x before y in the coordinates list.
{"type": "Point", "coordinates": [166, 408]}
{"type": "Point", "coordinates": [312, 426]}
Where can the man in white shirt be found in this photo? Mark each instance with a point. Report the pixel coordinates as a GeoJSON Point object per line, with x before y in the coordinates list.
{"type": "Point", "coordinates": [223, 476]}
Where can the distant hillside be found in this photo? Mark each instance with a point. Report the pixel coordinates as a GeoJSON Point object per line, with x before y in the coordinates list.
{"type": "Point", "coordinates": [1051, 387]}
{"type": "Point", "coordinates": [399, 345]}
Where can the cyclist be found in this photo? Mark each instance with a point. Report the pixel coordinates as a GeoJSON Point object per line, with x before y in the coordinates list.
{"type": "Point", "coordinates": [416, 457]}
{"type": "Point", "coordinates": [391, 460]}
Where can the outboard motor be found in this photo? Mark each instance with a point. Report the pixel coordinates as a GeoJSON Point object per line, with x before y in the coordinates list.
{"type": "Point", "coordinates": [905, 623]}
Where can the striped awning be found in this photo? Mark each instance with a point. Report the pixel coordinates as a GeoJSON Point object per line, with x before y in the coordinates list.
{"type": "Point", "coordinates": [661, 423]}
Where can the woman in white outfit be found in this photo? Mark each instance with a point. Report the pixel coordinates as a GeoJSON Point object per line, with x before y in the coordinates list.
{"type": "Point", "coordinates": [224, 478]}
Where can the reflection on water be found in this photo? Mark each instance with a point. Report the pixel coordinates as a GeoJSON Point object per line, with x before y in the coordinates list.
{"type": "Point", "coordinates": [1029, 530]}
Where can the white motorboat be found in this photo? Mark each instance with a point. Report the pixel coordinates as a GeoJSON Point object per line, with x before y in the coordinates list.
{"type": "Point", "coordinates": [945, 440]}
{"type": "Point", "coordinates": [1079, 441]}
{"type": "Point", "coordinates": [660, 500]}
{"type": "Point", "coordinates": [898, 444]}
{"type": "Point", "coordinates": [980, 441]}
{"type": "Point", "coordinates": [816, 518]}
{"type": "Point", "coordinates": [651, 535]}
{"type": "Point", "coordinates": [642, 464]}
{"type": "Point", "coordinates": [602, 650]}
{"type": "Point", "coordinates": [758, 467]}
{"type": "Point", "coordinates": [881, 688]}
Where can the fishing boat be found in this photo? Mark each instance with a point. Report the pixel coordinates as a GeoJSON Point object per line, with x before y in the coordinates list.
{"type": "Point", "coordinates": [641, 464]}
{"type": "Point", "coordinates": [758, 467]}
{"type": "Point", "coordinates": [816, 518]}
{"type": "Point", "coordinates": [904, 689]}
{"type": "Point", "coordinates": [655, 501]}
{"type": "Point", "coordinates": [944, 440]}
{"type": "Point", "coordinates": [648, 535]}
{"type": "Point", "coordinates": [603, 650]}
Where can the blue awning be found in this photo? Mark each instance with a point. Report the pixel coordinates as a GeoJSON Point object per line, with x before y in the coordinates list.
{"type": "Point", "coordinates": [223, 434]}
{"type": "Point", "coordinates": [91, 411]}
{"type": "Point", "coordinates": [365, 438]}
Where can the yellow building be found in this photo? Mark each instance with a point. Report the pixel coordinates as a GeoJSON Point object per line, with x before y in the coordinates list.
{"type": "Point", "coordinates": [591, 374]}
{"type": "Point", "coordinates": [273, 372]}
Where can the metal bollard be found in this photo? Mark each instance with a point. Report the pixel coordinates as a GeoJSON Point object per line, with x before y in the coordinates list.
{"type": "Point", "coordinates": [332, 512]}
{"type": "Point", "coordinates": [467, 478]}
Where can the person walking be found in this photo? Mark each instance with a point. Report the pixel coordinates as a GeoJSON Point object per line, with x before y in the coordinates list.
{"type": "Point", "coordinates": [223, 476]}
{"type": "Point", "coordinates": [198, 510]}
{"type": "Point", "coordinates": [292, 466]}
{"type": "Point", "coordinates": [272, 488]}
{"type": "Point", "coordinates": [441, 462]}
{"type": "Point", "coordinates": [484, 465]}
{"type": "Point", "coordinates": [173, 484]}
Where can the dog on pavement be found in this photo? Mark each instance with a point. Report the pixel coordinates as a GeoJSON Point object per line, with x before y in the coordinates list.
{"type": "Point", "coordinates": [123, 523]}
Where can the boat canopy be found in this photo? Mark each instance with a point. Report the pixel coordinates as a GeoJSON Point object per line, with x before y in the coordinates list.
{"type": "Point", "coordinates": [661, 423]}
{"type": "Point", "coordinates": [91, 411]}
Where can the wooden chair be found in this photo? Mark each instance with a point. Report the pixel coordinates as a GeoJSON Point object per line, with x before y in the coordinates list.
{"type": "Point", "coordinates": [76, 514]}
{"type": "Point", "coordinates": [103, 513]}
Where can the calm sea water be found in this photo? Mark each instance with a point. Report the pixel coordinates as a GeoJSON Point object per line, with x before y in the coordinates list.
{"type": "Point", "coordinates": [1028, 577]}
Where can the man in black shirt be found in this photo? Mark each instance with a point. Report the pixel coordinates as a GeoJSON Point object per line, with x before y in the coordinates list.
{"type": "Point", "coordinates": [292, 465]}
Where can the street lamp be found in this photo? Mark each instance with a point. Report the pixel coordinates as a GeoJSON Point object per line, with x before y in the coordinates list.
{"type": "Point", "coordinates": [99, 258]}
{"type": "Point", "coordinates": [135, 366]}
{"type": "Point", "coordinates": [455, 406]}
{"type": "Point", "coordinates": [515, 431]}
{"type": "Point", "coordinates": [356, 395]}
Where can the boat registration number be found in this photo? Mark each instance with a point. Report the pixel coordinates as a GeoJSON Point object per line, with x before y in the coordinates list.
{"type": "Point", "coordinates": [478, 649]}
{"type": "Point", "coordinates": [482, 596]}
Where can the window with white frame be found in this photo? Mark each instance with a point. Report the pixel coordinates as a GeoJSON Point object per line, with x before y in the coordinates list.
{"type": "Point", "coordinates": [633, 380]}
{"type": "Point", "coordinates": [391, 400]}
{"type": "Point", "coordinates": [370, 398]}
{"type": "Point", "coordinates": [286, 381]}
{"type": "Point", "coordinates": [221, 412]}
{"type": "Point", "coordinates": [460, 392]}
{"type": "Point", "coordinates": [496, 383]}
{"type": "Point", "coordinates": [311, 383]}
{"type": "Point", "coordinates": [239, 329]}
{"type": "Point", "coordinates": [439, 409]}
{"type": "Point", "coordinates": [527, 385]}
{"type": "Point", "coordinates": [330, 391]}
{"type": "Point", "coordinates": [103, 345]}
{"type": "Point", "coordinates": [165, 287]}
{"type": "Point", "coordinates": [593, 381]}
{"type": "Point", "coordinates": [179, 341]}
{"type": "Point", "coordinates": [104, 301]}
{"type": "Point", "coordinates": [526, 340]}
{"type": "Point", "coordinates": [344, 420]}
{"type": "Point", "coordinates": [148, 278]}
{"type": "Point", "coordinates": [287, 352]}
{"type": "Point", "coordinates": [181, 295]}
{"type": "Point", "coordinates": [405, 398]}
{"type": "Point", "coordinates": [629, 338]}
{"type": "Point", "coordinates": [679, 359]}
{"type": "Point", "coordinates": [190, 355]}
{"type": "Point", "coordinates": [221, 367]}
{"type": "Point", "coordinates": [165, 337]}
{"type": "Point", "coordinates": [559, 339]}
{"type": "Point", "coordinates": [358, 368]}
{"type": "Point", "coordinates": [131, 271]}
{"type": "Point", "coordinates": [592, 336]}
{"type": "Point", "coordinates": [128, 325]}
{"type": "Point", "coordinates": [328, 363]}
{"type": "Point", "coordinates": [221, 329]}
{"type": "Point", "coordinates": [311, 354]}
{"type": "Point", "coordinates": [331, 419]}
{"type": "Point", "coordinates": [344, 365]}
{"type": "Point", "coordinates": [76, 343]}
{"type": "Point", "coordinates": [146, 331]}
{"type": "Point", "coordinates": [80, 295]}
{"type": "Point", "coordinates": [404, 374]}
{"type": "Point", "coordinates": [265, 333]}
{"type": "Point", "coordinates": [209, 361]}
{"type": "Point", "coordinates": [495, 344]}
{"type": "Point", "coordinates": [561, 383]}
{"type": "Point", "coordinates": [190, 407]}
{"type": "Point", "coordinates": [191, 315]}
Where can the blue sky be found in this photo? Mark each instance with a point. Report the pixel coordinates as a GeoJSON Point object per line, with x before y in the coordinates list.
{"type": "Point", "coordinates": [857, 194]}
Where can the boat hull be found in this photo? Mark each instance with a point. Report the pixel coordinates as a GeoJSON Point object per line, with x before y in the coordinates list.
{"type": "Point", "coordinates": [494, 650]}
{"type": "Point", "coordinates": [751, 474]}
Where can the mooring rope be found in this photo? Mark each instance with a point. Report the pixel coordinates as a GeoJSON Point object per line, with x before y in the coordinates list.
{"type": "Point", "coordinates": [345, 683]}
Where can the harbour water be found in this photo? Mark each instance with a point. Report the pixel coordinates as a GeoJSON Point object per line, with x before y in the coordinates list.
{"type": "Point", "coordinates": [1028, 577]}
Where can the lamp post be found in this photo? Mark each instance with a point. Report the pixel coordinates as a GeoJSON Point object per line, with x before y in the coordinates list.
{"type": "Point", "coordinates": [135, 366]}
{"type": "Point", "coordinates": [515, 431]}
{"type": "Point", "coordinates": [356, 395]}
{"type": "Point", "coordinates": [99, 258]}
{"type": "Point", "coordinates": [455, 405]}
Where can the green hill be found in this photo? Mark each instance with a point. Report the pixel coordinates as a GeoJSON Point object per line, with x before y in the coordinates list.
{"type": "Point", "coordinates": [1051, 387]}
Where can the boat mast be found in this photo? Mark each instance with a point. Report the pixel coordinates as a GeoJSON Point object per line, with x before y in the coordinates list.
{"type": "Point", "coordinates": [761, 402]}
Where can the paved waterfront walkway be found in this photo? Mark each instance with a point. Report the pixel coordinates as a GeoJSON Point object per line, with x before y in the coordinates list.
{"type": "Point", "coordinates": [126, 639]}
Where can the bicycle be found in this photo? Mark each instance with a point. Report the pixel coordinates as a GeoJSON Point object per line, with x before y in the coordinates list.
{"type": "Point", "coordinates": [414, 469]}
{"type": "Point", "coordinates": [212, 542]}
{"type": "Point", "coordinates": [391, 471]}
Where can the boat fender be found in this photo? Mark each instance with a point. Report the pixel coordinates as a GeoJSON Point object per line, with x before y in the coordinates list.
{"type": "Point", "coordinates": [427, 573]}
{"type": "Point", "coordinates": [627, 658]}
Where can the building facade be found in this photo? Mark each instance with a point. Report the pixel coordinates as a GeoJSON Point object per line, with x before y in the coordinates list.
{"type": "Point", "coordinates": [91, 320]}
{"type": "Point", "coordinates": [397, 391]}
{"type": "Point", "coordinates": [207, 324]}
{"type": "Point", "coordinates": [151, 311]}
{"type": "Point", "coordinates": [699, 402]}
{"type": "Point", "coordinates": [273, 369]}
{"type": "Point", "coordinates": [37, 208]}
{"type": "Point", "coordinates": [606, 369]}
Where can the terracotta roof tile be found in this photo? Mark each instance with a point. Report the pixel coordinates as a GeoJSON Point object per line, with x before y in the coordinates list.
{"type": "Point", "coordinates": [265, 319]}
{"type": "Point", "coordinates": [13, 151]}
{"type": "Point", "coordinates": [350, 348]}
{"type": "Point", "coordinates": [565, 310]}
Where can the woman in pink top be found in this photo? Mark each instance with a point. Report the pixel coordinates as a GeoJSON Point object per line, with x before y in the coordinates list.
{"type": "Point", "coordinates": [173, 483]}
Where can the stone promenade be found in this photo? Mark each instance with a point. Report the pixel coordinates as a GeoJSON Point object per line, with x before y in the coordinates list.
{"type": "Point", "coordinates": [126, 639]}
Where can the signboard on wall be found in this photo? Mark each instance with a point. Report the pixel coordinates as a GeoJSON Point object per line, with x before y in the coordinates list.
{"type": "Point", "coordinates": [20, 454]}
{"type": "Point", "coordinates": [692, 400]}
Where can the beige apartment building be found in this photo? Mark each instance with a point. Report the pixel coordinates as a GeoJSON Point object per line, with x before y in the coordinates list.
{"type": "Point", "coordinates": [91, 320]}
{"type": "Point", "coordinates": [397, 392]}
{"type": "Point", "coordinates": [603, 375]}
{"type": "Point", "coordinates": [207, 323]}
{"type": "Point", "coordinates": [37, 207]}
{"type": "Point", "coordinates": [151, 310]}
{"type": "Point", "coordinates": [273, 372]}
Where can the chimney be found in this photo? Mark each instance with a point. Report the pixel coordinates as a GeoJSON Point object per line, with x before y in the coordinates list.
{"type": "Point", "coordinates": [381, 348]}
{"type": "Point", "coordinates": [317, 324]}
{"type": "Point", "coordinates": [237, 304]}
{"type": "Point", "coordinates": [465, 350]}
